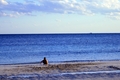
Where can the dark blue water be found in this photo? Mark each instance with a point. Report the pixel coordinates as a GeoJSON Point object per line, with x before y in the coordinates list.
{"type": "Point", "coordinates": [24, 48]}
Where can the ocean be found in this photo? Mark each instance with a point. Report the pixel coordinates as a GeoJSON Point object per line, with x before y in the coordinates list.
{"type": "Point", "coordinates": [30, 48]}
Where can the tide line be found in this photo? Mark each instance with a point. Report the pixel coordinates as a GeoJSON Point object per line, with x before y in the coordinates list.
{"type": "Point", "coordinates": [92, 72]}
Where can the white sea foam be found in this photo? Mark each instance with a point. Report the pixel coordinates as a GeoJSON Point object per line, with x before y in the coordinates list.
{"type": "Point", "coordinates": [62, 74]}
{"type": "Point", "coordinates": [94, 72]}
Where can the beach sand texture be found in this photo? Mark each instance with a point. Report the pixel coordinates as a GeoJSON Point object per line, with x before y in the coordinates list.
{"type": "Point", "coordinates": [96, 70]}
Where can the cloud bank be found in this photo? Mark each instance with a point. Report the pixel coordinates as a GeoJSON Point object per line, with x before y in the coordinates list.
{"type": "Point", "coordinates": [110, 8]}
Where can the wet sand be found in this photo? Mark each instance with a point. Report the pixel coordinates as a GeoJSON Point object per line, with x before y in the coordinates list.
{"type": "Point", "coordinates": [96, 70]}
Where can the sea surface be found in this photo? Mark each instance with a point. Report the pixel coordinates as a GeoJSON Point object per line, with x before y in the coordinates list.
{"type": "Point", "coordinates": [26, 48]}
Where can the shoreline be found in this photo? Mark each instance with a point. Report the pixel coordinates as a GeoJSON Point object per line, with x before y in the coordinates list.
{"type": "Point", "coordinates": [76, 69]}
{"type": "Point", "coordinates": [58, 62]}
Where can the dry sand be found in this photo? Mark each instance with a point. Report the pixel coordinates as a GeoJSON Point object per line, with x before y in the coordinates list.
{"type": "Point", "coordinates": [97, 70]}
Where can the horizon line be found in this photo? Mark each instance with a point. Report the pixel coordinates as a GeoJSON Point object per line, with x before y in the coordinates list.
{"type": "Point", "coordinates": [61, 33]}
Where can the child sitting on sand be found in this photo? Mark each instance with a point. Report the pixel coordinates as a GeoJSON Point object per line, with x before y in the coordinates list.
{"type": "Point", "coordinates": [44, 61]}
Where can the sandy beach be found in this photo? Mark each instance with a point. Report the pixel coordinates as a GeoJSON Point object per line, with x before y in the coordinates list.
{"type": "Point", "coordinates": [94, 70]}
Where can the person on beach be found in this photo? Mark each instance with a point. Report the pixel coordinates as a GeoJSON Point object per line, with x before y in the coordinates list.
{"type": "Point", "coordinates": [44, 61]}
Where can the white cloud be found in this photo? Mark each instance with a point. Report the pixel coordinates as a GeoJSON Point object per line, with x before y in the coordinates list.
{"type": "Point", "coordinates": [111, 8]}
{"type": "Point", "coordinates": [84, 7]}
{"type": "Point", "coordinates": [3, 2]}
{"type": "Point", "coordinates": [115, 15]}
{"type": "Point", "coordinates": [111, 4]}
{"type": "Point", "coordinates": [108, 4]}
{"type": "Point", "coordinates": [14, 14]}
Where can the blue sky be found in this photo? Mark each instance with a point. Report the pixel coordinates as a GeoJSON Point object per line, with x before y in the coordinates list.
{"type": "Point", "coordinates": [59, 16]}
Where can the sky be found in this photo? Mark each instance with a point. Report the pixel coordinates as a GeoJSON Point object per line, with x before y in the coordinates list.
{"type": "Point", "coordinates": [59, 16]}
